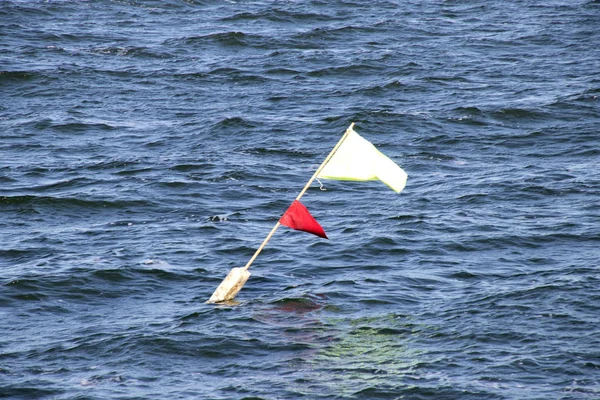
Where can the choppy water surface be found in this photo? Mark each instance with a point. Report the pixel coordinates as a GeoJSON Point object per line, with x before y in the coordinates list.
{"type": "Point", "coordinates": [146, 148]}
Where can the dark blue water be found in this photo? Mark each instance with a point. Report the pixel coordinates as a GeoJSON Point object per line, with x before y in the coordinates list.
{"type": "Point", "coordinates": [146, 148]}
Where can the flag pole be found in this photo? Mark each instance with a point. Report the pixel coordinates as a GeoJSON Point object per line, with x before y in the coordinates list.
{"type": "Point", "coordinates": [318, 171]}
{"type": "Point", "coordinates": [236, 278]}
{"type": "Point", "coordinates": [310, 181]}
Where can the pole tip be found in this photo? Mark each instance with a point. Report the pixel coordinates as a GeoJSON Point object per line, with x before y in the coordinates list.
{"type": "Point", "coordinates": [230, 286]}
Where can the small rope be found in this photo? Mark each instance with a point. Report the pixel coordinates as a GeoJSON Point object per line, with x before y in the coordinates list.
{"type": "Point", "coordinates": [321, 185]}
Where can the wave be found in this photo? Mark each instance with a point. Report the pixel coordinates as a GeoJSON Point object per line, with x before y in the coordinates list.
{"type": "Point", "coordinates": [298, 305]}
{"type": "Point", "coordinates": [480, 116]}
{"type": "Point", "coordinates": [75, 126]}
{"type": "Point", "coordinates": [237, 75]}
{"type": "Point", "coordinates": [353, 70]}
{"type": "Point", "coordinates": [7, 77]}
{"type": "Point", "coordinates": [380, 89]}
{"type": "Point", "coordinates": [236, 123]}
{"type": "Point", "coordinates": [95, 283]}
{"type": "Point", "coordinates": [130, 52]}
{"type": "Point", "coordinates": [342, 32]}
{"type": "Point", "coordinates": [69, 203]}
{"type": "Point", "coordinates": [520, 114]}
{"type": "Point", "coordinates": [278, 15]}
{"type": "Point", "coordinates": [228, 39]}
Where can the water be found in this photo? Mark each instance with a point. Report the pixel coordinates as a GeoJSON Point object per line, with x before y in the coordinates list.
{"type": "Point", "coordinates": [146, 148]}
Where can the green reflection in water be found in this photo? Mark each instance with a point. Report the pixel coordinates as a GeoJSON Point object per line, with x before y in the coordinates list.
{"type": "Point", "coordinates": [370, 355]}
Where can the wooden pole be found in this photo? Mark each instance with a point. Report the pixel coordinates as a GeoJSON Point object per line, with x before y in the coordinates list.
{"type": "Point", "coordinates": [310, 181]}
{"type": "Point", "coordinates": [262, 246]}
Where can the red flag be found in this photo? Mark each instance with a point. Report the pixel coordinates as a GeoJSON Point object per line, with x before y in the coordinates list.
{"type": "Point", "coordinates": [298, 217]}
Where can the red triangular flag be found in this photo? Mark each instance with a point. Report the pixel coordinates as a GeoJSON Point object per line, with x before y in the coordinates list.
{"type": "Point", "coordinates": [298, 217]}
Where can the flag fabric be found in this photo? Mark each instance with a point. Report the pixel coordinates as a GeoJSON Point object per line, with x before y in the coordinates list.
{"type": "Point", "coordinates": [358, 160]}
{"type": "Point", "coordinates": [297, 217]}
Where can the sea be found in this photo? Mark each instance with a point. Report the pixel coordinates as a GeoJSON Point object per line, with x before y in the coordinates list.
{"type": "Point", "coordinates": [148, 147]}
